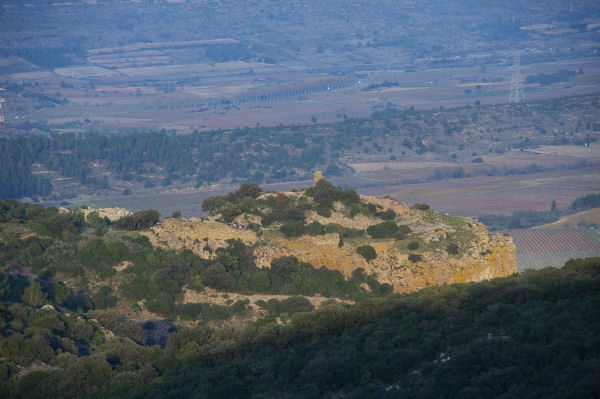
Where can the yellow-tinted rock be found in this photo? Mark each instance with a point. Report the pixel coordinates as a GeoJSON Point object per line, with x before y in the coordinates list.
{"type": "Point", "coordinates": [483, 255]}
{"type": "Point", "coordinates": [317, 176]}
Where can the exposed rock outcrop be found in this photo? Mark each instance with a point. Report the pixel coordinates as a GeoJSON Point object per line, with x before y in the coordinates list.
{"type": "Point", "coordinates": [478, 255]}
{"type": "Point", "coordinates": [112, 214]}
{"type": "Point", "coordinates": [198, 235]}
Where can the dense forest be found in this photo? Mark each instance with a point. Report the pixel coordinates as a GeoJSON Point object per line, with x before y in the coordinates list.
{"type": "Point", "coordinates": [288, 153]}
{"type": "Point", "coordinates": [16, 179]}
{"type": "Point", "coordinates": [258, 154]}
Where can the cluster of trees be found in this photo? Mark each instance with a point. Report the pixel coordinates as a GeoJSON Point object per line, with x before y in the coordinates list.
{"type": "Point", "coordinates": [388, 229]}
{"type": "Point", "coordinates": [156, 275]}
{"type": "Point", "coordinates": [386, 84]}
{"type": "Point", "coordinates": [258, 154]}
{"type": "Point", "coordinates": [518, 219]}
{"type": "Point", "coordinates": [562, 75]}
{"type": "Point", "coordinates": [16, 178]}
{"type": "Point", "coordinates": [140, 220]}
{"type": "Point", "coordinates": [268, 154]}
{"type": "Point", "coordinates": [233, 270]}
{"type": "Point", "coordinates": [499, 338]}
{"type": "Point", "coordinates": [586, 202]}
{"type": "Point", "coordinates": [493, 170]}
{"type": "Point", "coordinates": [286, 307]}
{"type": "Point", "coordinates": [235, 202]}
{"type": "Point", "coordinates": [532, 335]}
{"type": "Point", "coordinates": [325, 194]}
{"type": "Point", "coordinates": [290, 211]}
{"type": "Point", "coordinates": [47, 56]}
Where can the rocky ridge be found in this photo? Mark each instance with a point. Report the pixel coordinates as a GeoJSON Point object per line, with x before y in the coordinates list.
{"type": "Point", "coordinates": [481, 254]}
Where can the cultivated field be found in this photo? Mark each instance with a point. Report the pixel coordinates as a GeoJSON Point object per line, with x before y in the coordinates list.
{"type": "Point", "coordinates": [540, 248]}
{"type": "Point", "coordinates": [202, 95]}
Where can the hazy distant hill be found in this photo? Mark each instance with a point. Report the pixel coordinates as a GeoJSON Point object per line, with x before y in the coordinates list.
{"type": "Point", "coordinates": [339, 35]}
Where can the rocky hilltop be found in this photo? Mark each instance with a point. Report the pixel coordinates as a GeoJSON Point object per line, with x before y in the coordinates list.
{"type": "Point", "coordinates": [408, 247]}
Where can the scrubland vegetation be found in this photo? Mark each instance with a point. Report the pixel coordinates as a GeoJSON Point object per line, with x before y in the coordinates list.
{"type": "Point", "coordinates": [532, 334]}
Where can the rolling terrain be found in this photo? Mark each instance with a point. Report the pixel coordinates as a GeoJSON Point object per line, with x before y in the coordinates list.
{"type": "Point", "coordinates": [527, 155]}
{"type": "Point", "coordinates": [302, 199]}
{"type": "Point", "coordinates": [203, 65]}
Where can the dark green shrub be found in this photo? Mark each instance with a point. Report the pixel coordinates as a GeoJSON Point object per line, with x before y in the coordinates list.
{"type": "Point", "coordinates": [255, 227]}
{"type": "Point", "coordinates": [415, 257]}
{"type": "Point", "coordinates": [239, 307]}
{"type": "Point", "coordinates": [367, 252]}
{"type": "Point", "coordinates": [333, 228]}
{"type": "Point", "coordinates": [267, 220]}
{"type": "Point", "coordinates": [293, 229]}
{"type": "Point", "coordinates": [324, 211]}
{"type": "Point", "coordinates": [325, 193]}
{"type": "Point", "coordinates": [349, 197]}
{"type": "Point", "coordinates": [403, 230]}
{"type": "Point", "coordinates": [297, 304]}
{"type": "Point", "coordinates": [452, 249]}
{"type": "Point", "coordinates": [413, 245]}
{"type": "Point", "coordinates": [383, 230]}
{"type": "Point", "coordinates": [140, 220]}
{"type": "Point", "coordinates": [294, 214]}
{"type": "Point", "coordinates": [350, 232]}
{"type": "Point", "coordinates": [315, 228]}
{"type": "Point", "coordinates": [372, 208]}
{"type": "Point", "coordinates": [104, 298]}
{"type": "Point", "coordinates": [388, 214]}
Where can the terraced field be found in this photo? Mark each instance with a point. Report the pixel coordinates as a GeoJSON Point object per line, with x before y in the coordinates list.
{"type": "Point", "coordinates": [539, 248]}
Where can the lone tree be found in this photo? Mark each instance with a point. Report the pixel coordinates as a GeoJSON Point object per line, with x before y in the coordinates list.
{"type": "Point", "coordinates": [325, 193]}
{"type": "Point", "coordinates": [248, 190]}
{"type": "Point", "coordinates": [367, 252]}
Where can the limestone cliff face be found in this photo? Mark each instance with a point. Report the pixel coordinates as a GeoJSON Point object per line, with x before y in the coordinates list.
{"type": "Point", "coordinates": [482, 255]}
{"type": "Point", "coordinates": [491, 255]}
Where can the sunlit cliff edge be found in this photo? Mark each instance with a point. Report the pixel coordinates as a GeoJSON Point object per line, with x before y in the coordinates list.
{"type": "Point", "coordinates": [450, 249]}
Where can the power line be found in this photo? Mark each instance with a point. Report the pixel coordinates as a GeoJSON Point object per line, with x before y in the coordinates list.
{"type": "Point", "coordinates": [517, 94]}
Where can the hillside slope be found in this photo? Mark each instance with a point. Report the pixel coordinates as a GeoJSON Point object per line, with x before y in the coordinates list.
{"type": "Point", "coordinates": [422, 248]}
{"type": "Point", "coordinates": [528, 335]}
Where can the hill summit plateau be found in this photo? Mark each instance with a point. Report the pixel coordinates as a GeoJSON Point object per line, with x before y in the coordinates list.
{"type": "Point", "coordinates": [407, 247]}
